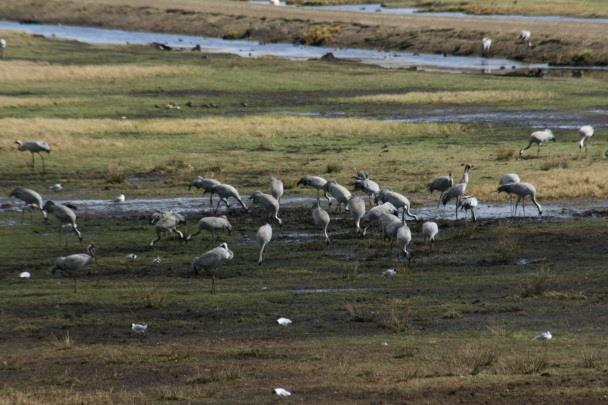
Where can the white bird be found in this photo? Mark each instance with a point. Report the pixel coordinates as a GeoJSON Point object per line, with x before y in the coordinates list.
{"type": "Point", "coordinates": [268, 203]}
{"type": "Point", "coordinates": [522, 190]}
{"type": "Point", "coordinates": [213, 224]}
{"type": "Point", "coordinates": [356, 206]}
{"type": "Point", "coordinates": [486, 44]}
{"type": "Point", "coordinates": [543, 337]}
{"type": "Point", "coordinates": [524, 36]}
{"type": "Point", "coordinates": [321, 218]}
{"type": "Point", "coordinates": [263, 237]}
{"type": "Point", "coordinates": [390, 273]}
{"type": "Point", "coordinates": [441, 184]}
{"type": "Point", "coordinates": [156, 260]}
{"type": "Point", "coordinates": [25, 274]}
{"type": "Point", "coordinates": [468, 203]}
{"type": "Point", "coordinates": [284, 321]}
{"type": "Point", "coordinates": [315, 182]}
{"type": "Point", "coordinates": [31, 198]}
{"type": "Point", "coordinates": [539, 138]}
{"type": "Point", "coordinates": [282, 392]}
{"type": "Point", "coordinates": [212, 259]}
{"type": "Point", "coordinates": [429, 233]}
{"type": "Point", "coordinates": [206, 184]}
{"type": "Point", "coordinates": [2, 47]}
{"type": "Point", "coordinates": [399, 201]}
{"type": "Point", "coordinates": [166, 223]}
{"type": "Point", "coordinates": [56, 187]}
{"type": "Point", "coordinates": [131, 257]}
{"type": "Point", "coordinates": [276, 188]}
{"type": "Point", "coordinates": [339, 192]}
{"type": "Point", "coordinates": [139, 328]}
{"type": "Point", "coordinates": [585, 132]}
{"type": "Point", "coordinates": [65, 215]}
{"type": "Point", "coordinates": [34, 147]}
{"type": "Point", "coordinates": [226, 191]}
{"type": "Point", "coordinates": [119, 199]}
{"type": "Point", "coordinates": [76, 261]}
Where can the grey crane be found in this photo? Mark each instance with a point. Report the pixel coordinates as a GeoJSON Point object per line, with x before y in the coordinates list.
{"type": "Point", "coordinates": [429, 233]}
{"type": "Point", "coordinates": [339, 192]}
{"type": "Point", "coordinates": [314, 182]}
{"type": "Point", "coordinates": [268, 203]}
{"type": "Point", "coordinates": [2, 47]}
{"type": "Point", "coordinates": [538, 138]}
{"type": "Point", "coordinates": [522, 190]}
{"type": "Point", "coordinates": [457, 190]}
{"type": "Point", "coordinates": [226, 191]}
{"type": "Point", "coordinates": [399, 201]}
{"type": "Point", "coordinates": [276, 188]}
{"type": "Point", "coordinates": [509, 178]}
{"type": "Point", "coordinates": [585, 133]}
{"type": "Point", "coordinates": [395, 229]}
{"type": "Point", "coordinates": [31, 198]}
{"type": "Point", "coordinates": [65, 215]}
{"type": "Point", "coordinates": [364, 183]}
{"type": "Point", "coordinates": [214, 225]}
{"type": "Point", "coordinates": [206, 184]}
{"type": "Point", "coordinates": [212, 259]}
{"type": "Point", "coordinates": [468, 203]}
{"type": "Point", "coordinates": [375, 213]}
{"type": "Point", "coordinates": [486, 44]}
{"type": "Point", "coordinates": [263, 237]}
{"type": "Point", "coordinates": [320, 218]}
{"type": "Point", "coordinates": [441, 184]}
{"type": "Point", "coordinates": [166, 223]}
{"type": "Point", "coordinates": [34, 147]}
{"type": "Point", "coordinates": [76, 261]}
{"type": "Point", "coordinates": [356, 206]}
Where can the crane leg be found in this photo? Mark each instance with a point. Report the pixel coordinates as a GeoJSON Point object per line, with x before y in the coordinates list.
{"type": "Point", "coordinates": [33, 161]}
{"type": "Point", "coordinates": [43, 166]}
{"type": "Point", "coordinates": [213, 284]}
{"type": "Point", "coordinates": [523, 205]}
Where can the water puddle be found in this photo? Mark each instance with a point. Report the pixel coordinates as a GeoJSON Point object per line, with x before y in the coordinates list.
{"type": "Point", "coordinates": [246, 48]}
{"type": "Point", "coordinates": [378, 8]}
{"type": "Point", "coordinates": [330, 290]}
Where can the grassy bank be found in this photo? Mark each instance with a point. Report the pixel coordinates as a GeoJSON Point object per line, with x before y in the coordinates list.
{"type": "Point", "coordinates": [566, 43]}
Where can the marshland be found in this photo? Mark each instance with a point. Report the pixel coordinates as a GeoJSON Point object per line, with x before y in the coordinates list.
{"type": "Point", "coordinates": [456, 323]}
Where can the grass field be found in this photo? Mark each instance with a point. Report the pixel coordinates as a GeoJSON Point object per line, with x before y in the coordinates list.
{"type": "Point", "coordinates": [455, 325]}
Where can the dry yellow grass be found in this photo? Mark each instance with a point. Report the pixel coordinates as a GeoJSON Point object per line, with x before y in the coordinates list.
{"type": "Point", "coordinates": [452, 97]}
{"type": "Point", "coordinates": [14, 102]}
{"type": "Point", "coordinates": [23, 71]}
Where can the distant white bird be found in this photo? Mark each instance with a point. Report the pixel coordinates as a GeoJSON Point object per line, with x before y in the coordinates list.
{"type": "Point", "coordinates": [390, 273]}
{"type": "Point", "coordinates": [131, 257]}
{"type": "Point", "coordinates": [486, 44]}
{"type": "Point", "coordinates": [263, 237]}
{"type": "Point", "coordinates": [585, 132]}
{"type": "Point", "coordinates": [539, 138]}
{"type": "Point", "coordinates": [56, 187]}
{"type": "Point", "coordinates": [139, 328]}
{"type": "Point", "coordinates": [543, 337]}
{"type": "Point", "coordinates": [284, 321]}
{"type": "Point", "coordinates": [25, 274]}
{"type": "Point", "coordinates": [524, 36]}
{"type": "Point", "coordinates": [34, 147]}
{"type": "Point", "coordinates": [282, 392]}
{"type": "Point", "coordinates": [119, 199]}
{"type": "Point", "coordinates": [156, 260]}
{"type": "Point", "coordinates": [2, 47]}
{"type": "Point", "coordinates": [274, 2]}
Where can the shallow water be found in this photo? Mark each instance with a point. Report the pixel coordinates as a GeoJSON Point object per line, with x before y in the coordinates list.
{"type": "Point", "coordinates": [377, 8]}
{"type": "Point", "coordinates": [255, 49]}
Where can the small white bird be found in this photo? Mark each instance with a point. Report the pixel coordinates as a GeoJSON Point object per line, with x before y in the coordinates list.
{"type": "Point", "coordinates": [25, 274]}
{"type": "Point", "coordinates": [156, 260]}
{"type": "Point", "coordinates": [275, 2]}
{"type": "Point", "coordinates": [284, 321]}
{"type": "Point", "coordinates": [2, 47]}
{"type": "Point", "coordinates": [56, 187]}
{"type": "Point", "coordinates": [139, 328]}
{"type": "Point", "coordinates": [390, 273]}
{"type": "Point", "coordinates": [486, 44]}
{"type": "Point", "coordinates": [119, 199]}
{"type": "Point", "coordinates": [543, 337]}
{"type": "Point", "coordinates": [585, 133]}
{"type": "Point", "coordinates": [282, 392]}
{"type": "Point", "coordinates": [131, 257]}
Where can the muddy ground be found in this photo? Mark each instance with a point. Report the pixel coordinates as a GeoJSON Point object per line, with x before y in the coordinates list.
{"type": "Point", "coordinates": [563, 44]}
